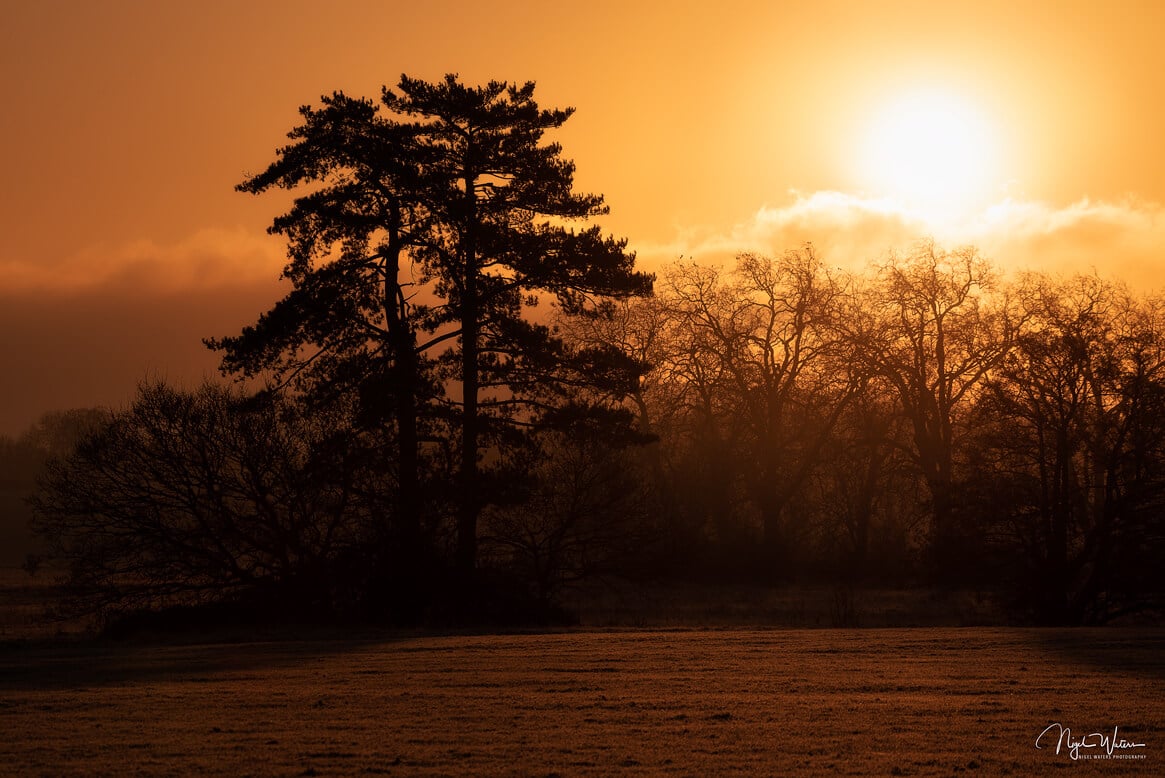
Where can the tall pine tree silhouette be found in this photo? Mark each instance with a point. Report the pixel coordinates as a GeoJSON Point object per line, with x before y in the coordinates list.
{"type": "Point", "coordinates": [431, 226]}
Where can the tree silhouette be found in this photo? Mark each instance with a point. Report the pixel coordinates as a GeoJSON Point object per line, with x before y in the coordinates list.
{"type": "Point", "coordinates": [866, 490]}
{"type": "Point", "coordinates": [927, 328]}
{"type": "Point", "coordinates": [417, 268]}
{"type": "Point", "coordinates": [752, 357]}
{"type": "Point", "coordinates": [190, 497]}
{"type": "Point", "coordinates": [496, 189]}
{"type": "Point", "coordinates": [1069, 443]}
{"type": "Point", "coordinates": [587, 510]}
{"type": "Point", "coordinates": [793, 381]}
{"type": "Point", "coordinates": [348, 327]}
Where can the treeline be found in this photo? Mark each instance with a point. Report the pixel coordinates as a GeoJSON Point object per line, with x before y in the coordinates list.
{"type": "Point", "coordinates": [924, 422]}
{"type": "Point", "coordinates": [469, 405]}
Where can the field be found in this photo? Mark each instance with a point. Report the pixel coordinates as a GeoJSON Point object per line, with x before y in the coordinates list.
{"type": "Point", "coordinates": [922, 701]}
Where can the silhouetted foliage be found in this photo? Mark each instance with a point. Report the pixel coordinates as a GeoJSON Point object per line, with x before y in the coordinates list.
{"type": "Point", "coordinates": [585, 511]}
{"type": "Point", "coordinates": [928, 326]}
{"type": "Point", "coordinates": [1070, 456]}
{"type": "Point", "coordinates": [748, 379]}
{"type": "Point", "coordinates": [866, 500]}
{"type": "Point", "coordinates": [190, 497]}
{"type": "Point", "coordinates": [430, 227]}
{"type": "Point", "coordinates": [904, 422]}
{"type": "Point", "coordinates": [348, 330]}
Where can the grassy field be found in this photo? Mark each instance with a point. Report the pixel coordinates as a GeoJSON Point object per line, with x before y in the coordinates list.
{"type": "Point", "coordinates": [923, 701]}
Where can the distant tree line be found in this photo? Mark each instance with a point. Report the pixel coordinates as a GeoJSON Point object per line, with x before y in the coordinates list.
{"type": "Point", "coordinates": [924, 422]}
{"type": "Point", "coordinates": [468, 404]}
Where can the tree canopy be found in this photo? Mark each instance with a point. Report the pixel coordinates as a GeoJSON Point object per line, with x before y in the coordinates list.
{"type": "Point", "coordinates": [428, 228]}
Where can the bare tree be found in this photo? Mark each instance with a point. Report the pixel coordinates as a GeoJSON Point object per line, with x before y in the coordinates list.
{"type": "Point", "coordinates": [189, 497]}
{"type": "Point", "coordinates": [586, 511]}
{"type": "Point", "coordinates": [866, 495]}
{"type": "Point", "coordinates": [932, 325]}
{"type": "Point", "coordinates": [747, 375]}
{"type": "Point", "coordinates": [1070, 448]}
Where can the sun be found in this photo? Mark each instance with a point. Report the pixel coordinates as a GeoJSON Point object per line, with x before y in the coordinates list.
{"type": "Point", "coordinates": [933, 152]}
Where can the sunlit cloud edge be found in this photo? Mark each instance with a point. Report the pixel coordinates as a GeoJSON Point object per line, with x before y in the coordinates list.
{"type": "Point", "coordinates": [1123, 239]}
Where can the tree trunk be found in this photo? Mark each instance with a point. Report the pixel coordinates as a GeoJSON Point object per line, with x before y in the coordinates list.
{"type": "Point", "coordinates": [403, 382]}
{"type": "Point", "coordinates": [470, 499]}
{"type": "Point", "coordinates": [470, 505]}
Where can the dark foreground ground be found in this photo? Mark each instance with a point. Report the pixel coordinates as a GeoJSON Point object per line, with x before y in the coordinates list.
{"type": "Point", "coordinates": [922, 701]}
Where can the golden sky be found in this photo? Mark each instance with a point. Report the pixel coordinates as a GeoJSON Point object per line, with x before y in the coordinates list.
{"type": "Point", "coordinates": [709, 127]}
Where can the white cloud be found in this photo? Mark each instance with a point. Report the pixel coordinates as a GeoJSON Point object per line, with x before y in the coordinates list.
{"type": "Point", "coordinates": [1124, 240]}
{"type": "Point", "coordinates": [844, 227]}
{"type": "Point", "coordinates": [1118, 239]}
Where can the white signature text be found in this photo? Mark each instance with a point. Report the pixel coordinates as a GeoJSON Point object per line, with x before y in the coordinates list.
{"type": "Point", "coordinates": [1107, 743]}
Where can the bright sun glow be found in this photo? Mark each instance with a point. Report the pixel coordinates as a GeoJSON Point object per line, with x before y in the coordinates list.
{"type": "Point", "coordinates": [933, 152]}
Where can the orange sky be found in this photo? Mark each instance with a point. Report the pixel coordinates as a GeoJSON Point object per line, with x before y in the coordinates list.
{"type": "Point", "coordinates": [710, 128]}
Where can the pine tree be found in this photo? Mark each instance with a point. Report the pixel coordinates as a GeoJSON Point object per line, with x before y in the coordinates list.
{"type": "Point", "coordinates": [433, 225]}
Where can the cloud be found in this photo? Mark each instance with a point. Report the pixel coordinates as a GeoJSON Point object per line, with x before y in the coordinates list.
{"type": "Point", "coordinates": [1124, 239]}
{"type": "Point", "coordinates": [86, 330]}
{"type": "Point", "coordinates": [840, 225]}
{"type": "Point", "coordinates": [208, 259]}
